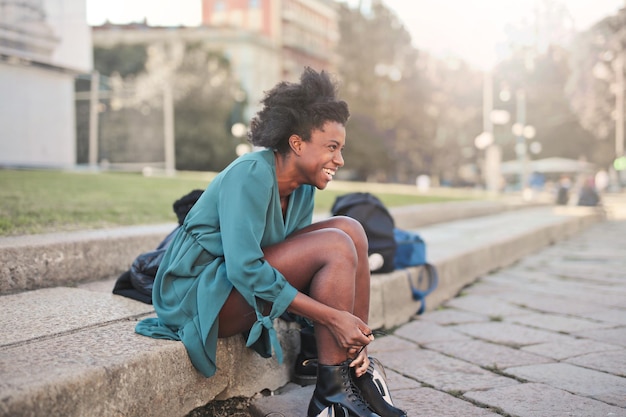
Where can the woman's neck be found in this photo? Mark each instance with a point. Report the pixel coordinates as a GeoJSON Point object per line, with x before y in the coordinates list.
{"type": "Point", "coordinates": [285, 176]}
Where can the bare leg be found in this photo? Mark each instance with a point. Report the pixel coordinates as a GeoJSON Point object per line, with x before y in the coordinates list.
{"type": "Point", "coordinates": [327, 261]}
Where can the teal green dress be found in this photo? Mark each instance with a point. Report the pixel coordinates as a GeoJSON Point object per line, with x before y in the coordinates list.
{"type": "Point", "coordinates": [218, 248]}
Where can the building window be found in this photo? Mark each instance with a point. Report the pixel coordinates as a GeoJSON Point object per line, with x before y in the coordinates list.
{"type": "Point", "coordinates": [254, 4]}
{"type": "Point", "coordinates": [219, 6]}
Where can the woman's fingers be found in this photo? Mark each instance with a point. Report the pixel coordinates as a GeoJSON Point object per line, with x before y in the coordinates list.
{"type": "Point", "coordinates": [360, 363]}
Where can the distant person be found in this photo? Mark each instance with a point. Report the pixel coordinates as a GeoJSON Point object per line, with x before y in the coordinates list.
{"type": "Point", "coordinates": [588, 195]}
{"type": "Point", "coordinates": [247, 253]}
{"type": "Point", "coordinates": [537, 181]}
{"type": "Point", "coordinates": [562, 193]}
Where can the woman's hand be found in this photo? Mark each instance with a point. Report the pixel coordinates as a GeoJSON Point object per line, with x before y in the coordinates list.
{"type": "Point", "coordinates": [361, 362]}
{"type": "Point", "coordinates": [354, 335]}
{"type": "Point", "coordinates": [350, 332]}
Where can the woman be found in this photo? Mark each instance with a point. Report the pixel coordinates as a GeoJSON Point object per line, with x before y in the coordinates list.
{"type": "Point", "coordinates": [247, 251]}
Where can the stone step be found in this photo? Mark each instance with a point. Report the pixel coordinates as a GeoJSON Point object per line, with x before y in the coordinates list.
{"type": "Point", "coordinates": [70, 258]}
{"type": "Point", "coordinates": [73, 352]}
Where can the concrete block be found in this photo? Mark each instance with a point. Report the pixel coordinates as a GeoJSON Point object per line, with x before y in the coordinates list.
{"type": "Point", "coordinates": [40, 261]}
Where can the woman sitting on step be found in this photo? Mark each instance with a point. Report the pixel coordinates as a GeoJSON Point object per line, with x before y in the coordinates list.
{"type": "Point", "coordinates": [247, 252]}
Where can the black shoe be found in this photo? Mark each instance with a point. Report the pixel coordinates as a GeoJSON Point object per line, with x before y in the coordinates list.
{"type": "Point", "coordinates": [375, 391]}
{"type": "Point", "coordinates": [335, 386]}
{"type": "Point", "coordinates": [305, 370]}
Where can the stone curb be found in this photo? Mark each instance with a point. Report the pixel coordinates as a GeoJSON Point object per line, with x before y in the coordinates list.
{"type": "Point", "coordinates": [49, 260]}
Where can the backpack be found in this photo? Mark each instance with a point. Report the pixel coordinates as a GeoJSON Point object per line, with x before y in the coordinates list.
{"type": "Point", "coordinates": [411, 252]}
{"type": "Point", "coordinates": [137, 282]}
{"type": "Point", "coordinates": [377, 222]}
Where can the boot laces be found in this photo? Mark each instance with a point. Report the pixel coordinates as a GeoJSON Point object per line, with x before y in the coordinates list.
{"type": "Point", "coordinates": [354, 394]}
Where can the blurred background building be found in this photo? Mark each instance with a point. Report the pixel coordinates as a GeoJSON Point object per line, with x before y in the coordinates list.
{"type": "Point", "coordinates": [304, 31]}
{"type": "Point", "coordinates": [141, 94]}
{"type": "Point", "coordinates": [44, 44]}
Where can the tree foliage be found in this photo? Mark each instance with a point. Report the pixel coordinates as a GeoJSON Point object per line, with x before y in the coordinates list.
{"type": "Point", "coordinates": [592, 85]}
{"type": "Point", "coordinates": [541, 78]}
{"type": "Point", "coordinates": [202, 112]}
{"type": "Point", "coordinates": [205, 99]}
{"type": "Point", "coordinates": [412, 113]}
{"type": "Point", "coordinates": [124, 59]}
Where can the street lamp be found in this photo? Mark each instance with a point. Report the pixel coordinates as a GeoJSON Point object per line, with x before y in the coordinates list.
{"type": "Point", "coordinates": [493, 153]}
{"type": "Point", "coordinates": [522, 132]}
{"type": "Point", "coordinates": [600, 71]}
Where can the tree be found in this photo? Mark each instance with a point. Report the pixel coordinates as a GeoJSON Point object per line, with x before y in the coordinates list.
{"type": "Point", "coordinates": [591, 85]}
{"type": "Point", "coordinates": [124, 59]}
{"type": "Point", "coordinates": [414, 114]}
{"type": "Point", "coordinates": [542, 79]}
{"type": "Point", "coordinates": [205, 98]}
{"type": "Point", "coordinates": [203, 109]}
{"type": "Point", "coordinates": [377, 66]}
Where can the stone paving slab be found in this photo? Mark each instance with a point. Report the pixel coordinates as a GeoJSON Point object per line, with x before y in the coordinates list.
{"type": "Point", "coordinates": [601, 386]}
{"type": "Point", "coordinates": [613, 362]}
{"type": "Point", "coordinates": [446, 316]}
{"type": "Point", "coordinates": [559, 323]}
{"type": "Point", "coordinates": [615, 335]}
{"type": "Point", "coordinates": [427, 402]}
{"type": "Point", "coordinates": [616, 316]}
{"type": "Point", "coordinates": [553, 303]}
{"type": "Point", "coordinates": [539, 400]}
{"type": "Point", "coordinates": [574, 347]}
{"type": "Point", "coordinates": [555, 284]}
{"type": "Point", "coordinates": [494, 307]}
{"type": "Point", "coordinates": [389, 343]}
{"type": "Point", "coordinates": [487, 355]}
{"type": "Point", "coordinates": [508, 334]}
{"type": "Point", "coordinates": [442, 372]}
{"type": "Point", "coordinates": [423, 332]}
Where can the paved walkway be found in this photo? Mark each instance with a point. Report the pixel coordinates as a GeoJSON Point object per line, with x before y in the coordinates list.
{"type": "Point", "coordinates": [546, 337]}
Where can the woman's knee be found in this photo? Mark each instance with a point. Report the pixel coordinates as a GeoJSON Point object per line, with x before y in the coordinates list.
{"type": "Point", "coordinates": [339, 246]}
{"type": "Point", "coordinates": [352, 228]}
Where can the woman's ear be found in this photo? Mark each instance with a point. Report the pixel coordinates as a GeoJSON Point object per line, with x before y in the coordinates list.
{"type": "Point", "coordinates": [295, 142]}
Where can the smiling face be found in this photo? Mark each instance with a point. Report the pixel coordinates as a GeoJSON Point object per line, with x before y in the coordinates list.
{"type": "Point", "coordinates": [320, 157]}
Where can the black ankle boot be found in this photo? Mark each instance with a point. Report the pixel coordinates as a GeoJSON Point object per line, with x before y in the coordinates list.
{"type": "Point", "coordinates": [334, 386]}
{"type": "Point", "coordinates": [305, 370]}
{"type": "Point", "coordinates": [375, 392]}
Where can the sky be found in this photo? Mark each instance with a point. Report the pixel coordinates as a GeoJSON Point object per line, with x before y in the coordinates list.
{"type": "Point", "coordinates": [467, 29]}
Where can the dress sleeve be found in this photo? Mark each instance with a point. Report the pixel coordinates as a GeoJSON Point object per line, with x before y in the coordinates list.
{"type": "Point", "coordinates": [244, 204]}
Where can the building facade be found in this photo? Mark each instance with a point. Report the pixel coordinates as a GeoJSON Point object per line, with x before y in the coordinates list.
{"type": "Point", "coordinates": [305, 31]}
{"type": "Point", "coordinates": [255, 60]}
{"type": "Point", "coordinates": [43, 45]}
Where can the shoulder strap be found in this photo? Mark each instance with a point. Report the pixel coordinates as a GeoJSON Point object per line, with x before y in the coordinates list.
{"type": "Point", "coordinates": [427, 277]}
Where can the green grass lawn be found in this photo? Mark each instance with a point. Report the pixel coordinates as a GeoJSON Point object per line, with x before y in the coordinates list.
{"type": "Point", "coordinates": [42, 201]}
